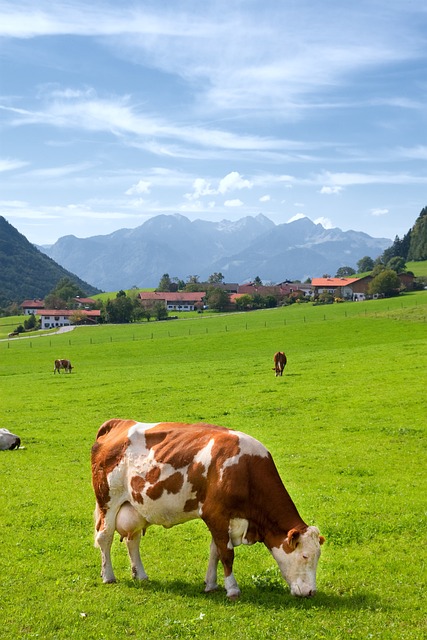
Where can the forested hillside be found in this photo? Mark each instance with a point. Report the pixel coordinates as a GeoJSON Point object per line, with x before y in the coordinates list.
{"type": "Point", "coordinates": [25, 272]}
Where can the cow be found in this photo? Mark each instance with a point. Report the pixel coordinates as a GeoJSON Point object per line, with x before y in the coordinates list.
{"type": "Point", "coordinates": [9, 440]}
{"type": "Point", "coordinates": [62, 364]}
{"type": "Point", "coordinates": [168, 473]}
{"type": "Point", "coordinates": [280, 361]}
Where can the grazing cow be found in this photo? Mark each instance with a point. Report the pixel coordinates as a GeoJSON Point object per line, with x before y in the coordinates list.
{"type": "Point", "coordinates": [167, 473]}
{"type": "Point", "coordinates": [280, 361]}
{"type": "Point", "coordinates": [62, 364]}
{"type": "Point", "coordinates": [8, 440]}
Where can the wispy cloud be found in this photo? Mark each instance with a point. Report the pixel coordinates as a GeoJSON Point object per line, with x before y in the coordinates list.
{"type": "Point", "coordinates": [9, 164]}
{"type": "Point", "coordinates": [286, 53]}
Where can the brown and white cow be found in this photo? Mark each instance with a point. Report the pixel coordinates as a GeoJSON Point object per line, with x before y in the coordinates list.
{"type": "Point", "coordinates": [280, 361]}
{"type": "Point", "coordinates": [62, 364]}
{"type": "Point", "coordinates": [167, 473]}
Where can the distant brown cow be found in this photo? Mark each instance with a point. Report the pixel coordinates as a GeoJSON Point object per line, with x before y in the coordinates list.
{"type": "Point", "coordinates": [62, 364]}
{"type": "Point", "coordinates": [280, 361]}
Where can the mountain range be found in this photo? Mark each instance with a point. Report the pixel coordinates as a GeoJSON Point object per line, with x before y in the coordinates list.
{"type": "Point", "coordinates": [240, 250]}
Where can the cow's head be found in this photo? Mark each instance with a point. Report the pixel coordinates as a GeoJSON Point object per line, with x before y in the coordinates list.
{"type": "Point", "coordinates": [297, 558]}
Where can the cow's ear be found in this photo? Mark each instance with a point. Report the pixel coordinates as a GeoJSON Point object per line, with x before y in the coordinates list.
{"type": "Point", "coordinates": [321, 539]}
{"type": "Point", "coordinates": [292, 538]}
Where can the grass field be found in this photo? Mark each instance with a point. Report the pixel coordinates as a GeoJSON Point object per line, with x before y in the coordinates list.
{"type": "Point", "coordinates": [346, 426]}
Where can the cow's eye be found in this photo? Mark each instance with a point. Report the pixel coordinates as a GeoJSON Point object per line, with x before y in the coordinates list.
{"type": "Point", "coordinates": [305, 556]}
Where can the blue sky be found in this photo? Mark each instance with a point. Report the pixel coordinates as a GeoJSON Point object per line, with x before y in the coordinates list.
{"type": "Point", "coordinates": [111, 113]}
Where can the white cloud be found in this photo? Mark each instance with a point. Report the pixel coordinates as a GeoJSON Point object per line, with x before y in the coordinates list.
{"type": "Point", "coordinates": [233, 181]}
{"type": "Point", "coordinates": [379, 212]}
{"type": "Point", "coordinates": [233, 203]}
{"type": "Point", "coordinates": [265, 198]}
{"type": "Point", "coordinates": [143, 186]}
{"type": "Point", "coordinates": [201, 187]}
{"type": "Point", "coordinates": [325, 222]}
{"type": "Point", "coordinates": [330, 190]}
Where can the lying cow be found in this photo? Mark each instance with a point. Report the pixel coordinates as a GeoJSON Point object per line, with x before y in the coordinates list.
{"type": "Point", "coordinates": [62, 364]}
{"type": "Point", "coordinates": [168, 473]}
{"type": "Point", "coordinates": [280, 361]}
{"type": "Point", "coordinates": [8, 440]}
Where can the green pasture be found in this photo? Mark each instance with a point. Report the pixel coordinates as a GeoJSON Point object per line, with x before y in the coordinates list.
{"type": "Point", "coordinates": [346, 425]}
{"type": "Point", "coordinates": [419, 269]}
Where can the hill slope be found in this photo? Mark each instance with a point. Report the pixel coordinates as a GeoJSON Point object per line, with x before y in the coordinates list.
{"type": "Point", "coordinates": [26, 272]}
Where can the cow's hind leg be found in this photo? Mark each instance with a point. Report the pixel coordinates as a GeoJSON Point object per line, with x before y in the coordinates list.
{"type": "Point", "coordinates": [138, 571]}
{"type": "Point", "coordinates": [104, 540]}
{"type": "Point", "coordinates": [130, 524]}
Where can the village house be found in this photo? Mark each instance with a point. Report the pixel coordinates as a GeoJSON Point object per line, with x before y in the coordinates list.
{"type": "Point", "coordinates": [53, 318]}
{"type": "Point", "coordinates": [31, 307]}
{"type": "Point", "coordinates": [84, 303]}
{"type": "Point", "coordinates": [338, 287]}
{"type": "Point", "coordinates": [174, 300]}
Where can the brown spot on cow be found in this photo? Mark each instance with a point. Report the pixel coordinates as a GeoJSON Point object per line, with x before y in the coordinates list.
{"type": "Point", "coordinates": [153, 475]}
{"type": "Point", "coordinates": [137, 484]}
{"type": "Point", "coordinates": [105, 459]}
{"type": "Point", "coordinates": [172, 484]}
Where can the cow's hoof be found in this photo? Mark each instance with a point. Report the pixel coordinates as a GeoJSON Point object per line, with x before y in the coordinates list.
{"type": "Point", "coordinates": [109, 580]}
{"type": "Point", "coordinates": [210, 588]}
{"type": "Point", "coordinates": [233, 596]}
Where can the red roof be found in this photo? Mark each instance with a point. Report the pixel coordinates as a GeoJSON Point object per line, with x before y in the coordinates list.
{"type": "Point", "coordinates": [68, 312]}
{"type": "Point", "coordinates": [32, 304]}
{"type": "Point", "coordinates": [332, 282]}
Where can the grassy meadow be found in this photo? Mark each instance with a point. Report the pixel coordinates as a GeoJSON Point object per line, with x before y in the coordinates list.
{"type": "Point", "coordinates": [346, 425]}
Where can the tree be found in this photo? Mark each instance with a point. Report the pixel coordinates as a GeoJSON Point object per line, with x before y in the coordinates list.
{"type": "Point", "coordinates": [378, 268]}
{"type": "Point", "coordinates": [193, 280]}
{"type": "Point", "coordinates": [342, 272]}
{"type": "Point", "coordinates": [78, 317]}
{"type": "Point", "coordinates": [244, 302]}
{"type": "Point", "coordinates": [365, 264]}
{"type": "Point", "coordinates": [66, 289]}
{"type": "Point", "coordinates": [397, 264]}
{"type": "Point", "coordinates": [400, 247]}
{"type": "Point", "coordinates": [30, 322]}
{"type": "Point", "coordinates": [217, 299]}
{"type": "Point", "coordinates": [418, 244]}
{"type": "Point", "coordinates": [165, 283]}
{"type": "Point", "coordinates": [257, 281]}
{"type": "Point", "coordinates": [119, 310]}
{"type": "Point", "coordinates": [160, 311]}
{"type": "Point", "coordinates": [216, 278]}
{"type": "Point", "coordinates": [52, 301]}
{"type": "Point", "coordinates": [387, 283]}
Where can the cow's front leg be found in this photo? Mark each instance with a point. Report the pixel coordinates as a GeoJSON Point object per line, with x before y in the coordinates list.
{"type": "Point", "coordinates": [226, 555]}
{"type": "Point", "coordinates": [211, 578]}
{"type": "Point", "coordinates": [138, 571]}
